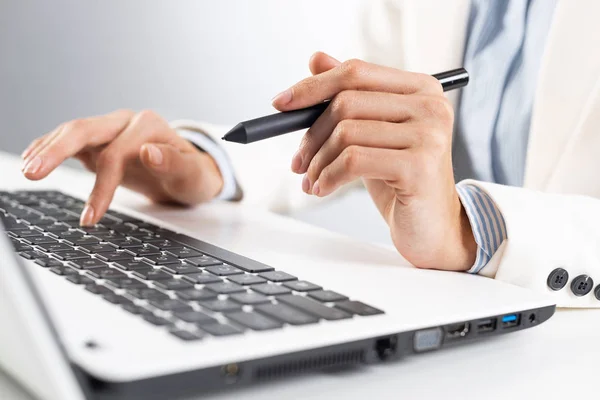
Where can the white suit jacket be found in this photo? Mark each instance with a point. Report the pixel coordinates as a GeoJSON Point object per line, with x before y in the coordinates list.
{"type": "Point", "coordinates": [554, 221]}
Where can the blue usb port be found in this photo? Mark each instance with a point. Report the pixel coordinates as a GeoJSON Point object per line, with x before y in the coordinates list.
{"type": "Point", "coordinates": [511, 320]}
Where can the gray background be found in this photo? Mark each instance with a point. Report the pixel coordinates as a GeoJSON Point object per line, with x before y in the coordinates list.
{"type": "Point", "coordinates": [219, 61]}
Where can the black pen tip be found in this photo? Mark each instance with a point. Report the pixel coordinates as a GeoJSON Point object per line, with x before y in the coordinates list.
{"type": "Point", "coordinates": [237, 134]}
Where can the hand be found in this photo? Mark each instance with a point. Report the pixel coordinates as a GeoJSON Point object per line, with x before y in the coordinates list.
{"type": "Point", "coordinates": [139, 151]}
{"type": "Point", "coordinates": [393, 129]}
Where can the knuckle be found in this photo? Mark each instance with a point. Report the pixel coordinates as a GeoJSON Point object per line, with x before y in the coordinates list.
{"type": "Point", "coordinates": [343, 133]}
{"type": "Point", "coordinates": [74, 126]}
{"type": "Point", "coordinates": [438, 107]}
{"type": "Point", "coordinates": [341, 104]}
{"type": "Point", "coordinates": [147, 116]}
{"type": "Point", "coordinates": [353, 68]}
{"type": "Point", "coordinates": [351, 158]}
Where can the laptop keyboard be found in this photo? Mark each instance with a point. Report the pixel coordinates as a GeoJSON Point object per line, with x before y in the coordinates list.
{"type": "Point", "coordinates": [171, 280]}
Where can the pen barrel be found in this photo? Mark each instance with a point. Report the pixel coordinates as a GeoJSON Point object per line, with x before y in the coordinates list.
{"type": "Point", "coordinates": [282, 123]}
{"type": "Point", "coordinates": [453, 79]}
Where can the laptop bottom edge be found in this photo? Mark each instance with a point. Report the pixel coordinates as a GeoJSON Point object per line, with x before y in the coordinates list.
{"type": "Point", "coordinates": [365, 351]}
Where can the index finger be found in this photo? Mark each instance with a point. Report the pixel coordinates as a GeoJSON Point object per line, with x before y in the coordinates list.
{"type": "Point", "coordinates": [354, 75]}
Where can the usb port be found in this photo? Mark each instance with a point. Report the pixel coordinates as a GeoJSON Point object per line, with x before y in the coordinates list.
{"type": "Point", "coordinates": [486, 325]}
{"type": "Point", "coordinates": [510, 321]}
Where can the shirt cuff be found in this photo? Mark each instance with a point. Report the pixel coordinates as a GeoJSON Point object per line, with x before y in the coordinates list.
{"type": "Point", "coordinates": [206, 144]}
{"type": "Point", "coordinates": [486, 221]}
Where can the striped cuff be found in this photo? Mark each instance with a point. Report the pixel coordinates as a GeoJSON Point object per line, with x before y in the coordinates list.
{"type": "Point", "coordinates": [486, 221]}
{"type": "Point", "coordinates": [221, 159]}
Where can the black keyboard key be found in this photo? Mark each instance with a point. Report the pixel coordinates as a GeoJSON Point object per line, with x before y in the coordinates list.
{"type": "Point", "coordinates": [195, 317]}
{"type": "Point", "coordinates": [170, 305]}
{"type": "Point", "coordinates": [72, 255]}
{"type": "Point", "coordinates": [84, 240]}
{"type": "Point", "coordinates": [225, 287]}
{"type": "Point", "coordinates": [88, 263]}
{"type": "Point", "coordinates": [126, 283]}
{"type": "Point", "coordinates": [144, 250]}
{"type": "Point", "coordinates": [313, 308]}
{"type": "Point", "coordinates": [250, 298]}
{"type": "Point", "coordinates": [108, 236]}
{"type": "Point", "coordinates": [286, 314]}
{"type": "Point", "coordinates": [277, 276]}
{"type": "Point", "coordinates": [144, 236]}
{"type": "Point", "coordinates": [80, 279]}
{"type": "Point", "coordinates": [202, 278]}
{"type": "Point", "coordinates": [32, 255]}
{"type": "Point", "coordinates": [221, 330]}
{"type": "Point", "coordinates": [224, 270]}
{"type": "Point", "coordinates": [135, 309]}
{"type": "Point", "coordinates": [70, 235]}
{"type": "Point", "coordinates": [187, 335]}
{"type": "Point", "coordinates": [164, 244]}
{"type": "Point", "coordinates": [92, 230]}
{"type": "Point", "coordinates": [25, 233]}
{"type": "Point", "coordinates": [56, 229]}
{"type": "Point", "coordinates": [98, 248]}
{"type": "Point", "coordinates": [55, 247]}
{"type": "Point", "coordinates": [119, 255]}
{"type": "Point", "coordinates": [41, 239]}
{"type": "Point", "coordinates": [270, 289]}
{"type": "Point", "coordinates": [302, 286]}
{"type": "Point", "coordinates": [183, 252]}
{"type": "Point", "coordinates": [173, 284]}
{"type": "Point", "coordinates": [20, 246]}
{"type": "Point", "coordinates": [204, 261]}
{"type": "Point", "coordinates": [254, 321]}
{"type": "Point", "coordinates": [219, 305]}
{"type": "Point", "coordinates": [98, 289]}
{"type": "Point", "coordinates": [48, 262]}
{"type": "Point", "coordinates": [11, 224]}
{"type": "Point", "coordinates": [327, 296]}
{"type": "Point", "coordinates": [107, 273]}
{"type": "Point", "coordinates": [246, 279]}
{"type": "Point", "coordinates": [108, 221]}
{"type": "Point", "coordinates": [181, 269]}
{"type": "Point", "coordinates": [62, 270]}
{"type": "Point", "coordinates": [152, 275]}
{"type": "Point", "coordinates": [196, 295]}
{"type": "Point", "coordinates": [127, 265]}
{"type": "Point", "coordinates": [125, 229]}
{"type": "Point", "coordinates": [161, 259]}
{"type": "Point", "coordinates": [115, 298]}
{"type": "Point", "coordinates": [356, 307]}
{"type": "Point", "coordinates": [147, 294]}
{"type": "Point", "coordinates": [125, 243]}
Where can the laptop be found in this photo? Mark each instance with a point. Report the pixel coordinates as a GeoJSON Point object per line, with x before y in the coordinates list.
{"type": "Point", "coordinates": [136, 308]}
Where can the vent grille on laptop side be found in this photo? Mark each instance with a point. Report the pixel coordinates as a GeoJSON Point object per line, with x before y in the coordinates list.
{"type": "Point", "coordinates": [309, 364]}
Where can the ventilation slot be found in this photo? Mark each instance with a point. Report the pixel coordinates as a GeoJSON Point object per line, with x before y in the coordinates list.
{"type": "Point", "coordinates": [309, 364]}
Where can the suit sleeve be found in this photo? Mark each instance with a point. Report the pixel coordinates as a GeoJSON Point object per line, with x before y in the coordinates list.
{"type": "Point", "coordinates": [546, 231]}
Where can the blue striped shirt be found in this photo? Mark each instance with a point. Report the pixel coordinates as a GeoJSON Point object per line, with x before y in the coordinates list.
{"type": "Point", "coordinates": [503, 54]}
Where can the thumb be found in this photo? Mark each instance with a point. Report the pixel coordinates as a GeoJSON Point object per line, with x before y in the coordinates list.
{"type": "Point", "coordinates": [186, 177]}
{"type": "Point", "coordinates": [321, 62]}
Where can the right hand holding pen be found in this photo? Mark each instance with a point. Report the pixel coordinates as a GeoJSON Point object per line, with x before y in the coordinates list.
{"type": "Point", "coordinates": [138, 150]}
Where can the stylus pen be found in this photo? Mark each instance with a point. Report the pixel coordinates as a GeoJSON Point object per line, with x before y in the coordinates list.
{"type": "Point", "coordinates": [290, 121]}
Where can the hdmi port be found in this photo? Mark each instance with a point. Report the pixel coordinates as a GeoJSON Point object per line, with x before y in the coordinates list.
{"type": "Point", "coordinates": [486, 325]}
{"type": "Point", "coordinates": [457, 331]}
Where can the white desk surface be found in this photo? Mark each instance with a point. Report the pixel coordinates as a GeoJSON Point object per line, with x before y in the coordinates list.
{"type": "Point", "coordinates": [557, 360]}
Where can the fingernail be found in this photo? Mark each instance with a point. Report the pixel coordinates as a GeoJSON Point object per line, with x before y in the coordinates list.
{"type": "Point", "coordinates": [316, 189]}
{"type": "Point", "coordinates": [297, 162]}
{"type": "Point", "coordinates": [155, 154]}
{"type": "Point", "coordinates": [283, 98]}
{"type": "Point", "coordinates": [32, 166]}
{"type": "Point", "coordinates": [87, 216]}
{"type": "Point", "coordinates": [306, 184]}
